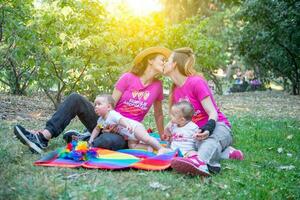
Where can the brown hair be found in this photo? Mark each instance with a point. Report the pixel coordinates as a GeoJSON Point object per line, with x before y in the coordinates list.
{"type": "Point", "coordinates": [110, 100]}
{"type": "Point", "coordinates": [186, 109]}
{"type": "Point", "coordinates": [185, 61]}
{"type": "Point", "coordinates": [140, 68]}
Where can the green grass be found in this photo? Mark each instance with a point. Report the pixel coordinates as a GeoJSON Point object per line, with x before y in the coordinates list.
{"type": "Point", "coordinates": [257, 177]}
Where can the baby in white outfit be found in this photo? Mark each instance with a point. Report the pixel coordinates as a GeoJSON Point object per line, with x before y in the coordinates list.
{"type": "Point", "coordinates": [181, 129]}
{"type": "Point", "coordinates": [132, 130]}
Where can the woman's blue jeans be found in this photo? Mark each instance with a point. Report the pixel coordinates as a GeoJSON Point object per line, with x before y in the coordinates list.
{"type": "Point", "coordinates": [76, 105]}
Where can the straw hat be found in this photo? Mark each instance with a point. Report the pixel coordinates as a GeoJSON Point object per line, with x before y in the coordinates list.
{"type": "Point", "coordinates": [159, 50]}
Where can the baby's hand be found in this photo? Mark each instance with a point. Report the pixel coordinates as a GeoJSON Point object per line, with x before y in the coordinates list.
{"type": "Point", "coordinates": [90, 143]}
{"type": "Point", "coordinates": [111, 129]}
{"type": "Point", "coordinates": [129, 128]}
{"type": "Point", "coordinates": [201, 135]}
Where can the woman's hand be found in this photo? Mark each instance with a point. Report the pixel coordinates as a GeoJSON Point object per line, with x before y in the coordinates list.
{"type": "Point", "coordinates": [201, 135]}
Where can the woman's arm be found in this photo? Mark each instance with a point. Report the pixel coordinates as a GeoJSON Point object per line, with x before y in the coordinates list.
{"type": "Point", "coordinates": [159, 117]}
{"type": "Point", "coordinates": [167, 132]}
{"type": "Point", "coordinates": [116, 95]}
{"type": "Point", "coordinates": [209, 108]}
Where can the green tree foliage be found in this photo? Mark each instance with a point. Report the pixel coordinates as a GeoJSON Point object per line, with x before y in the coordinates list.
{"type": "Point", "coordinates": [81, 47]}
{"type": "Point", "coordinates": [72, 36]}
{"type": "Point", "coordinates": [18, 52]}
{"type": "Point", "coordinates": [65, 45]}
{"type": "Point", "coordinates": [205, 38]}
{"type": "Point", "coordinates": [85, 49]}
{"type": "Point", "coordinates": [123, 37]}
{"type": "Point", "coordinates": [269, 37]}
{"type": "Point", "coordinates": [179, 10]}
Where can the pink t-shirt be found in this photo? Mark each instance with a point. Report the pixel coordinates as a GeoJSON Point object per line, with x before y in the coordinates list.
{"type": "Point", "coordinates": [137, 99]}
{"type": "Point", "coordinates": [194, 90]}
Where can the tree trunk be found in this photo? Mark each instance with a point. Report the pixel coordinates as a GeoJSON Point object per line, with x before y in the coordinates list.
{"type": "Point", "coordinates": [296, 88]}
{"type": "Point", "coordinates": [16, 89]}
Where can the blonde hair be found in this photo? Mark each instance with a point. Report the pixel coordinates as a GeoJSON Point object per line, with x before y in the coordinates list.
{"type": "Point", "coordinates": [109, 99]}
{"type": "Point", "coordinates": [185, 61]}
{"type": "Point", "coordinates": [186, 109]}
{"type": "Point", "coordinates": [140, 68]}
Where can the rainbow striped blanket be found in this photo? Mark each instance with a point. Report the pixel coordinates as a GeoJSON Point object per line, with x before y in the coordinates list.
{"type": "Point", "coordinates": [111, 160]}
{"type": "Point", "coordinates": [107, 159]}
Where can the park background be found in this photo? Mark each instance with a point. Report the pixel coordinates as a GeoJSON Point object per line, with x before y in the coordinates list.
{"type": "Point", "coordinates": [49, 49]}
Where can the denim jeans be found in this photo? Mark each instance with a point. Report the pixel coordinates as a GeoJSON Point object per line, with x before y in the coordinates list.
{"type": "Point", "coordinates": [76, 105]}
{"type": "Point", "coordinates": [210, 149]}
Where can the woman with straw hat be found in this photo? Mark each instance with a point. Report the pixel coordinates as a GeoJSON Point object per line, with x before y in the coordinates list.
{"type": "Point", "coordinates": [135, 92]}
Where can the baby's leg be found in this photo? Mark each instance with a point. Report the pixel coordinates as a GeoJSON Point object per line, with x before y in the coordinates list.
{"type": "Point", "coordinates": [141, 134]}
{"type": "Point", "coordinates": [132, 144]}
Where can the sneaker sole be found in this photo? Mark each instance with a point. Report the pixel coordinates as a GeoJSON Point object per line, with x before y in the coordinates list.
{"type": "Point", "coordinates": [187, 168]}
{"type": "Point", "coordinates": [33, 147]}
{"type": "Point", "coordinates": [16, 132]}
{"type": "Point", "coordinates": [240, 156]}
{"type": "Point", "coordinates": [75, 135]}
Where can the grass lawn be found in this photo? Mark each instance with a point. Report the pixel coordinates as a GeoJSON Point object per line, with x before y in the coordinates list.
{"type": "Point", "coordinates": [270, 169]}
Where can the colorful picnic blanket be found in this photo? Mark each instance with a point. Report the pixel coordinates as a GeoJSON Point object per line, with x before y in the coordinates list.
{"type": "Point", "coordinates": [112, 160]}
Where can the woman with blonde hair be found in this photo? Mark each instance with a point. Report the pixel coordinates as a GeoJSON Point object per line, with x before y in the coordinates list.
{"type": "Point", "coordinates": [134, 93]}
{"type": "Point", "coordinates": [215, 133]}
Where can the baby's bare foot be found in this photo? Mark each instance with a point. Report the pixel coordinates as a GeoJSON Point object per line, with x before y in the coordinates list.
{"type": "Point", "coordinates": [163, 151]}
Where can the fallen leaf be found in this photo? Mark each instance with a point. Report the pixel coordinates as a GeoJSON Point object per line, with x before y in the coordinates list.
{"type": "Point", "coordinates": [287, 167]}
{"type": "Point", "coordinates": [255, 165]}
{"type": "Point", "coordinates": [142, 174]}
{"type": "Point", "coordinates": [257, 174]}
{"type": "Point", "coordinates": [74, 176]}
{"type": "Point", "coordinates": [157, 185]}
{"type": "Point", "coordinates": [290, 137]}
{"type": "Point", "coordinates": [228, 167]}
{"type": "Point", "coordinates": [223, 187]}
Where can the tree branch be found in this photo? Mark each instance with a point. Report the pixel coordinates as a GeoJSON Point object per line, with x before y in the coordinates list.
{"type": "Point", "coordinates": [14, 70]}
{"type": "Point", "coordinates": [81, 73]}
{"type": "Point", "coordinates": [4, 82]}
{"type": "Point", "coordinates": [54, 67]}
{"type": "Point", "coordinates": [26, 82]}
{"type": "Point", "coordinates": [1, 24]}
{"type": "Point", "coordinates": [47, 93]}
{"type": "Point", "coordinates": [293, 60]}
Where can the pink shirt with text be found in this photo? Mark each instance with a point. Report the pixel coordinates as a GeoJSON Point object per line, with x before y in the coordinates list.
{"type": "Point", "coordinates": [137, 99]}
{"type": "Point", "coordinates": [194, 90]}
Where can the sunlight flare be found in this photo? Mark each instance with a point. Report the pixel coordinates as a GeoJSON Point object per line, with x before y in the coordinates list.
{"type": "Point", "coordinates": [135, 7]}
